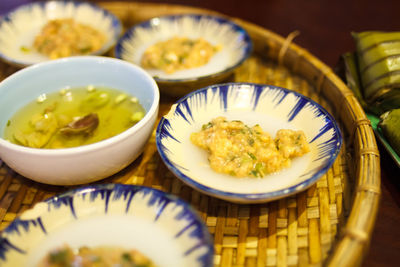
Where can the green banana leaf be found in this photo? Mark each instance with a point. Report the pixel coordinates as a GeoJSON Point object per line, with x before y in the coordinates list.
{"type": "Point", "coordinates": [348, 71]}
{"type": "Point", "coordinates": [383, 139]}
{"type": "Point", "coordinates": [372, 72]}
{"type": "Point", "coordinates": [390, 126]}
{"type": "Point", "coordinates": [386, 70]}
{"type": "Point", "coordinates": [378, 52]}
{"type": "Point", "coordinates": [366, 40]}
{"type": "Point", "coordinates": [377, 59]}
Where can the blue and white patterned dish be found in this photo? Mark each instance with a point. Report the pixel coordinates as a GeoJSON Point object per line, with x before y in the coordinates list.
{"type": "Point", "coordinates": [235, 41]}
{"type": "Point", "coordinates": [271, 107]}
{"type": "Point", "coordinates": [19, 27]}
{"type": "Point", "coordinates": [159, 225]}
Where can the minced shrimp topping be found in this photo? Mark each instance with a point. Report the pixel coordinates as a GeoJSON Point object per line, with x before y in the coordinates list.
{"type": "Point", "coordinates": [239, 150]}
{"type": "Point", "coordinates": [66, 37]}
{"type": "Point", "coordinates": [102, 256]}
{"type": "Point", "coordinates": [178, 53]}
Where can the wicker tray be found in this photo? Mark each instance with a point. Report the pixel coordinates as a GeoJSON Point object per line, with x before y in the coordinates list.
{"type": "Point", "coordinates": [329, 224]}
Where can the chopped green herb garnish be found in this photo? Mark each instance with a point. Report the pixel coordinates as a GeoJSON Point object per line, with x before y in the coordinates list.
{"type": "Point", "coordinates": [260, 169]}
{"type": "Point", "coordinates": [252, 156]}
{"type": "Point", "coordinates": [258, 166]}
{"type": "Point", "coordinates": [59, 257]}
{"type": "Point", "coordinates": [207, 126]}
{"type": "Point", "coordinates": [245, 159]}
{"type": "Point", "coordinates": [254, 173]}
{"type": "Point", "coordinates": [188, 42]}
{"type": "Point", "coordinates": [126, 257]}
{"type": "Point", "coordinates": [95, 258]}
{"type": "Point", "coordinates": [85, 50]}
{"type": "Point", "coordinates": [25, 49]}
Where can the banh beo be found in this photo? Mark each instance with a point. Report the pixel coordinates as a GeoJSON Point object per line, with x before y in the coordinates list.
{"type": "Point", "coordinates": [73, 117]}
{"type": "Point", "coordinates": [178, 53]}
{"type": "Point", "coordinates": [102, 256]}
{"type": "Point", "coordinates": [239, 150]}
{"type": "Point", "coordinates": [66, 37]}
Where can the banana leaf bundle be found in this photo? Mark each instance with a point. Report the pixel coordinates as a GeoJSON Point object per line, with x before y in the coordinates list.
{"type": "Point", "coordinates": [372, 72]}
{"type": "Point", "coordinates": [390, 126]}
{"type": "Point", "coordinates": [377, 59]}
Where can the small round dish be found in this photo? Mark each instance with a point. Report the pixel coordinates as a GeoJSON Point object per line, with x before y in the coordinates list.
{"type": "Point", "coordinates": [19, 28]}
{"type": "Point", "coordinates": [161, 226]}
{"type": "Point", "coordinates": [272, 108]}
{"type": "Point", "coordinates": [85, 163]}
{"type": "Point", "coordinates": [235, 42]}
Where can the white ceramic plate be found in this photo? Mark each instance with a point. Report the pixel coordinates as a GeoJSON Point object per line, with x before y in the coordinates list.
{"type": "Point", "coordinates": [159, 225]}
{"type": "Point", "coordinates": [272, 108]}
{"type": "Point", "coordinates": [235, 41]}
{"type": "Point", "coordinates": [20, 27]}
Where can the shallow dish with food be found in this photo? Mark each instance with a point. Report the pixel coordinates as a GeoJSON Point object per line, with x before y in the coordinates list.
{"type": "Point", "coordinates": [271, 107]}
{"type": "Point", "coordinates": [85, 163]}
{"type": "Point", "coordinates": [20, 27]}
{"type": "Point", "coordinates": [160, 226]}
{"type": "Point", "coordinates": [233, 42]}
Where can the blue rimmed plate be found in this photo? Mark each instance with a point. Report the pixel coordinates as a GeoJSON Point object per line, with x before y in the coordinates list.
{"type": "Point", "coordinates": [19, 28]}
{"type": "Point", "coordinates": [272, 108]}
{"type": "Point", "coordinates": [159, 225]}
{"type": "Point", "coordinates": [236, 46]}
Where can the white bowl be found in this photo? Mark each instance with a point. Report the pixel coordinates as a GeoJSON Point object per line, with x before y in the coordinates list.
{"type": "Point", "coordinates": [235, 41]}
{"type": "Point", "coordinates": [82, 164]}
{"type": "Point", "coordinates": [19, 27]}
{"type": "Point", "coordinates": [272, 108]}
{"type": "Point", "coordinates": [161, 226]}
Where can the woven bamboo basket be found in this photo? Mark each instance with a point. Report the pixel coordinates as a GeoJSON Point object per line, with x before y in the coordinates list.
{"type": "Point", "coordinates": [328, 224]}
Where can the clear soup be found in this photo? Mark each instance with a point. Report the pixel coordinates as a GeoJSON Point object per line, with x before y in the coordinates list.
{"type": "Point", "coordinates": [73, 117]}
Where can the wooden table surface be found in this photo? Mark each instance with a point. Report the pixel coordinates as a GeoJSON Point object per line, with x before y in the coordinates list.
{"type": "Point", "coordinates": [325, 28]}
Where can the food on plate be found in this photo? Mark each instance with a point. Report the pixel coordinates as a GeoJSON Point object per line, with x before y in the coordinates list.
{"type": "Point", "coordinates": [73, 117]}
{"type": "Point", "coordinates": [66, 37]}
{"type": "Point", "coordinates": [239, 150]}
{"type": "Point", "coordinates": [178, 53]}
{"type": "Point", "coordinates": [390, 125]}
{"type": "Point", "coordinates": [102, 256]}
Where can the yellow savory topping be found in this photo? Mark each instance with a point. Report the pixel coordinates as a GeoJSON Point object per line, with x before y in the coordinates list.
{"type": "Point", "coordinates": [239, 150]}
{"type": "Point", "coordinates": [178, 53]}
{"type": "Point", "coordinates": [66, 37]}
{"type": "Point", "coordinates": [95, 257]}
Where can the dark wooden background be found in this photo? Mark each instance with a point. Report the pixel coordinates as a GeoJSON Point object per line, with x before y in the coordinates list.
{"type": "Point", "coordinates": [325, 27]}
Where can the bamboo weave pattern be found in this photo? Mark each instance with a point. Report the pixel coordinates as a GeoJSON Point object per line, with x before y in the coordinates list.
{"type": "Point", "coordinates": [300, 230]}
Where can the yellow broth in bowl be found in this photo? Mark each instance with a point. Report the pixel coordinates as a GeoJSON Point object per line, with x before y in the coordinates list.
{"type": "Point", "coordinates": [73, 117]}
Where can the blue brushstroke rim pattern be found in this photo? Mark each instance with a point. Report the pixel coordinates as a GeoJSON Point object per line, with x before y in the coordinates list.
{"type": "Point", "coordinates": [223, 89]}
{"type": "Point", "coordinates": [116, 23]}
{"type": "Point", "coordinates": [126, 192]}
{"type": "Point", "coordinates": [245, 37]}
